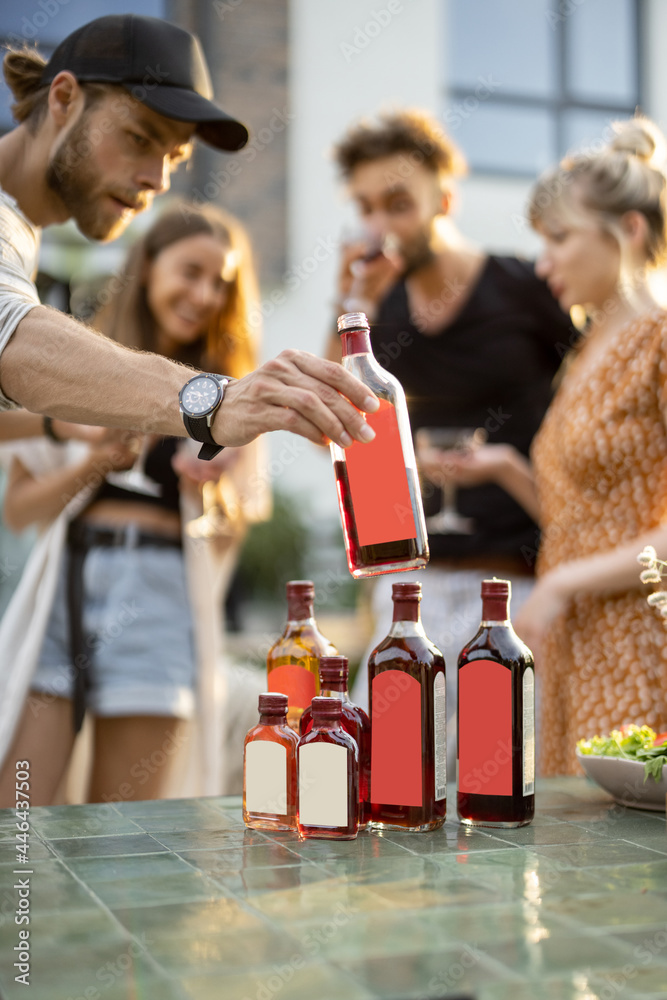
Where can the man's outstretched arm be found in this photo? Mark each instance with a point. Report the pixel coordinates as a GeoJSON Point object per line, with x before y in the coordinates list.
{"type": "Point", "coordinates": [55, 365]}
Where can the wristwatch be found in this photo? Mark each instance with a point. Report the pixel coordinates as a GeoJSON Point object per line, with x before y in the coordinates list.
{"type": "Point", "coordinates": [199, 400]}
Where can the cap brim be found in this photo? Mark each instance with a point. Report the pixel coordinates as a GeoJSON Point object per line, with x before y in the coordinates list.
{"type": "Point", "coordinates": [214, 126]}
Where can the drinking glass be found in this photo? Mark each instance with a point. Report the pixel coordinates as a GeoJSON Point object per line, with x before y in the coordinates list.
{"type": "Point", "coordinates": [135, 479]}
{"type": "Point", "coordinates": [448, 521]}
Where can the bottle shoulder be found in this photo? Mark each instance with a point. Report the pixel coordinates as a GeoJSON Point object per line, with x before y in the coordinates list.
{"type": "Point", "coordinates": [304, 640]}
{"type": "Point", "coordinates": [496, 642]}
{"type": "Point", "coordinates": [407, 649]}
{"type": "Point", "coordinates": [272, 734]}
{"type": "Point", "coordinates": [337, 737]}
{"type": "Point", "coordinates": [366, 368]}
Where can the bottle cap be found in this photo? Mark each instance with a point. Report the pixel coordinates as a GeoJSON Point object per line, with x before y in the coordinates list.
{"type": "Point", "coordinates": [300, 588]}
{"type": "Point", "coordinates": [496, 588]}
{"type": "Point", "coordinates": [333, 668]}
{"type": "Point", "coordinates": [353, 321]}
{"type": "Point", "coordinates": [406, 591]}
{"type": "Point", "coordinates": [326, 708]}
{"type": "Point", "coordinates": [272, 703]}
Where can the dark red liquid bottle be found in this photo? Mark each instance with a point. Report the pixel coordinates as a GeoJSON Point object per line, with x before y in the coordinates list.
{"type": "Point", "coordinates": [496, 719]}
{"type": "Point", "coordinates": [328, 770]}
{"type": "Point", "coordinates": [406, 677]}
{"type": "Point", "coordinates": [377, 483]}
{"type": "Point", "coordinates": [334, 672]}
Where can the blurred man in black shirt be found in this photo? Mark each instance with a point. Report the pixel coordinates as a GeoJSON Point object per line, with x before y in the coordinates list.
{"type": "Point", "coordinates": [475, 340]}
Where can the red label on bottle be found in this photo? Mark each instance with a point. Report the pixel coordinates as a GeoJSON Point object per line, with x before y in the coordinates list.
{"type": "Point", "coordinates": [296, 682]}
{"type": "Point", "coordinates": [485, 728]}
{"type": "Point", "coordinates": [379, 483]}
{"type": "Point", "coordinates": [396, 740]}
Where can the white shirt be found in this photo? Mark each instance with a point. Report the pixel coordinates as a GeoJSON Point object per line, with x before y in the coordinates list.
{"type": "Point", "coordinates": [19, 250]}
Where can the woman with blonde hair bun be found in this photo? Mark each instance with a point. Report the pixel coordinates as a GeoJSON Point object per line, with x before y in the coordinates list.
{"type": "Point", "coordinates": [598, 482]}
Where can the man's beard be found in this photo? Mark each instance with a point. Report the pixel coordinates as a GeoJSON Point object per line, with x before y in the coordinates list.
{"type": "Point", "coordinates": [72, 177]}
{"type": "Point", "coordinates": [418, 253]}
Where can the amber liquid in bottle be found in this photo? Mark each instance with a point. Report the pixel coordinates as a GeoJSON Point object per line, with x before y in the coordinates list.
{"type": "Point", "coordinates": [496, 720]}
{"type": "Point", "coordinates": [269, 768]}
{"type": "Point", "coordinates": [377, 483]}
{"type": "Point", "coordinates": [406, 676]}
{"type": "Point", "coordinates": [293, 661]}
{"type": "Point", "coordinates": [328, 774]}
{"type": "Point", "coordinates": [334, 672]}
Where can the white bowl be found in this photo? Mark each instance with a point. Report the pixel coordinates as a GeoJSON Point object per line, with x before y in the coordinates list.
{"type": "Point", "coordinates": [624, 780]}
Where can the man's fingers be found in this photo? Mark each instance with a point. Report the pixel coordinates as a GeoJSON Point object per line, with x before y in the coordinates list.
{"type": "Point", "coordinates": [299, 392]}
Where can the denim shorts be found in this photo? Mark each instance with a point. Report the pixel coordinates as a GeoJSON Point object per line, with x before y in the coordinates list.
{"type": "Point", "coordinates": [139, 640]}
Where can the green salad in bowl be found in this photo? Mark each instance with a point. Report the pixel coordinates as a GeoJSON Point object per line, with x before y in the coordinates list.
{"type": "Point", "coordinates": [638, 743]}
{"type": "Point", "coordinates": [628, 764]}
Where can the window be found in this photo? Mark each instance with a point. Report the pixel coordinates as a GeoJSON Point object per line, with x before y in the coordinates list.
{"type": "Point", "coordinates": [531, 79]}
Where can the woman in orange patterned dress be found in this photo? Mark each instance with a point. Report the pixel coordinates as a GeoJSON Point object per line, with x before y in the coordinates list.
{"type": "Point", "coordinates": [599, 478]}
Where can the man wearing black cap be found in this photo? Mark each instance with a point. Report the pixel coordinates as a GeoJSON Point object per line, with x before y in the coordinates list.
{"type": "Point", "coordinates": [100, 128]}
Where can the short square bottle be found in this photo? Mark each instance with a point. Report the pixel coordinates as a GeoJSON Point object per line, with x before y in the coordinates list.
{"type": "Point", "coordinates": [269, 768]}
{"type": "Point", "coordinates": [334, 673]}
{"type": "Point", "coordinates": [328, 774]}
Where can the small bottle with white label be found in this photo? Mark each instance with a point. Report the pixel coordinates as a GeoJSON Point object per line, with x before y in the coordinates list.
{"type": "Point", "coordinates": [269, 768]}
{"type": "Point", "coordinates": [328, 770]}
{"type": "Point", "coordinates": [496, 719]}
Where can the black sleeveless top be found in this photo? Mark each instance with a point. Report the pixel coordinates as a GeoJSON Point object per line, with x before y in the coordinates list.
{"type": "Point", "coordinates": [492, 367]}
{"type": "Point", "coordinates": [158, 468]}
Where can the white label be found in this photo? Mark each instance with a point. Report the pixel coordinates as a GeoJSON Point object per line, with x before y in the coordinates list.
{"type": "Point", "coordinates": [529, 732]}
{"type": "Point", "coordinates": [266, 778]}
{"type": "Point", "coordinates": [323, 789]}
{"type": "Point", "coordinates": [440, 736]}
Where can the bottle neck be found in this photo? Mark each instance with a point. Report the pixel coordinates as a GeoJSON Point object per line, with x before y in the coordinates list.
{"type": "Point", "coordinates": [273, 720]}
{"type": "Point", "coordinates": [334, 689]}
{"type": "Point", "coordinates": [300, 611]}
{"type": "Point", "coordinates": [356, 342]}
{"type": "Point", "coordinates": [407, 611]}
{"type": "Point", "coordinates": [495, 611]}
{"type": "Point", "coordinates": [329, 724]}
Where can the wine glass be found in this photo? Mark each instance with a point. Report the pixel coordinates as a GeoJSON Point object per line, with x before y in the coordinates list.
{"type": "Point", "coordinates": [214, 522]}
{"type": "Point", "coordinates": [448, 521]}
{"type": "Point", "coordinates": [135, 479]}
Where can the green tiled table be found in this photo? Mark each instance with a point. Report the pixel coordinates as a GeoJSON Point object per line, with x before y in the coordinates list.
{"type": "Point", "coordinates": [166, 900]}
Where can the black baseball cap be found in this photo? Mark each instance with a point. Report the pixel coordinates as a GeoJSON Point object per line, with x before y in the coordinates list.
{"type": "Point", "coordinates": [160, 64]}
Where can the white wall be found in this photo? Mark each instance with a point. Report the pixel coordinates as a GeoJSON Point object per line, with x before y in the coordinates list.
{"type": "Point", "coordinates": [348, 58]}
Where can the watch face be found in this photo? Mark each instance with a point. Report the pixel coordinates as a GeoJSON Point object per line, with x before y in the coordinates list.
{"type": "Point", "coordinates": [200, 395]}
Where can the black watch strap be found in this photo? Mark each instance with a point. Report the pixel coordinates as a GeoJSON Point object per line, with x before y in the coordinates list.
{"type": "Point", "coordinates": [209, 451]}
{"type": "Point", "coordinates": [198, 428]}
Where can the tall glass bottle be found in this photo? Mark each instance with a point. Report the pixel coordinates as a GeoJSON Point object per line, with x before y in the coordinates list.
{"type": "Point", "coordinates": [378, 486]}
{"type": "Point", "coordinates": [406, 678]}
{"type": "Point", "coordinates": [334, 673]}
{"type": "Point", "coordinates": [293, 661]}
{"type": "Point", "coordinates": [496, 719]}
{"type": "Point", "coordinates": [269, 768]}
{"type": "Point", "coordinates": [328, 774]}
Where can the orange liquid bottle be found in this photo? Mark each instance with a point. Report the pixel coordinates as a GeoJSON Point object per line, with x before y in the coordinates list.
{"type": "Point", "coordinates": [269, 768]}
{"type": "Point", "coordinates": [293, 661]}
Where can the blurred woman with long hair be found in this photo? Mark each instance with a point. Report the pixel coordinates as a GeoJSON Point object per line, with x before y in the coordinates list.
{"type": "Point", "coordinates": [131, 570]}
